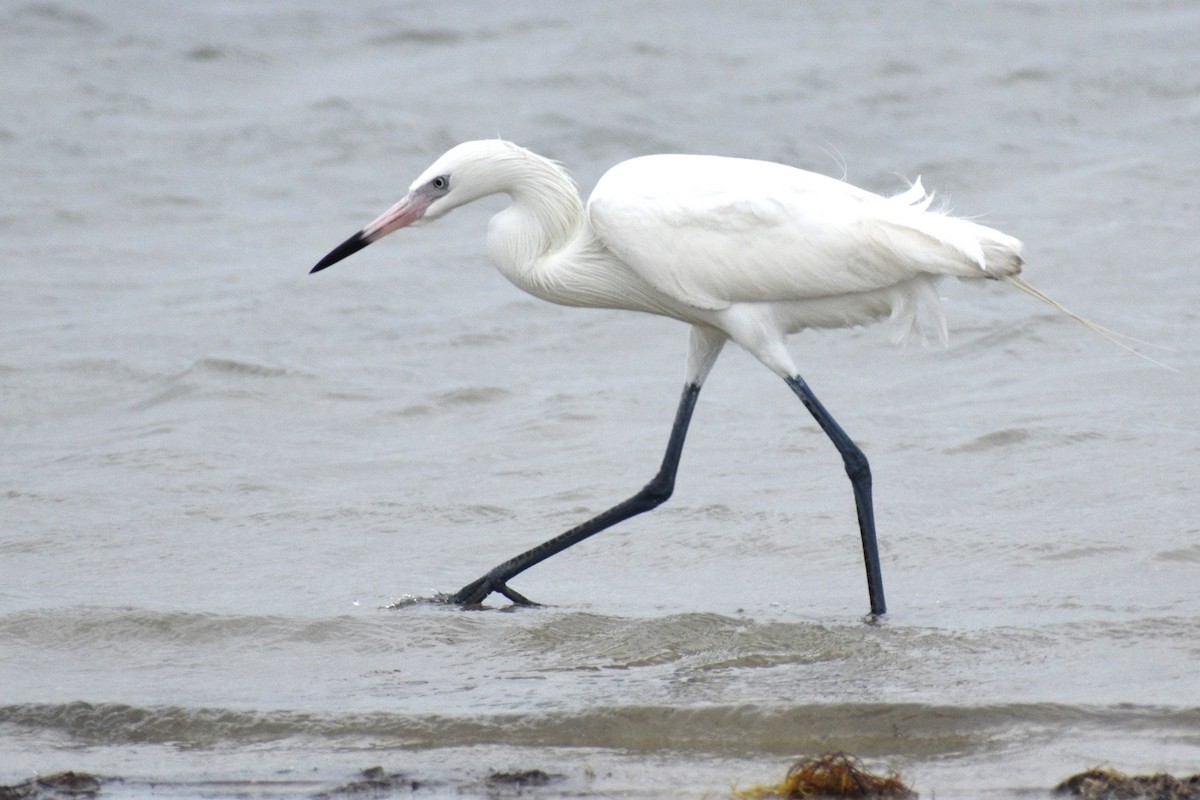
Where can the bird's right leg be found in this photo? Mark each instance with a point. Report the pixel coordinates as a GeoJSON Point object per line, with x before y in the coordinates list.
{"type": "Point", "coordinates": [704, 347]}
{"type": "Point", "coordinates": [859, 472]}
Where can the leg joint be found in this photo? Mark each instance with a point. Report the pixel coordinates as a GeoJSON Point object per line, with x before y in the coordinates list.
{"type": "Point", "coordinates": [658, 490]}
{"type": "Point", "coordinates": [857, 467]}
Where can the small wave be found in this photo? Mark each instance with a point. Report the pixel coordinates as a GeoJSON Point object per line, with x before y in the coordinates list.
{"type": "Point", "coordinates": [988, 441]}
{"type": "Point", "coordinates": [470, 396]}
{"type": "Point", "coordinates": [432, 37]}
{"type": "Point", "coordinates": [712, 641]}
{"type": "Point", "coordinates": [237, 366]}
{"type": "Point", "coordinates": [226, 376]}
{"type": "Point", "coordinates": [54, 17]}
{"type": "Point", "coordinates": [88, 627]}
{"type": "Point", "coordinates": [869, 728]}
{"type": "Point", "coordinates": [1187, 555]}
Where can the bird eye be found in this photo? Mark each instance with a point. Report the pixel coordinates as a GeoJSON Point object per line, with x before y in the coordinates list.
{"type": "Point", "coordinates": [440, 182]}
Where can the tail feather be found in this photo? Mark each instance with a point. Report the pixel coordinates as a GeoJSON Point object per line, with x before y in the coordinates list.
{"type": "Point", "coordinates": [992, 253]}
{"type": "Point", "coordinates": [989, 253]}
{"type": "Point", "coordinates": [1119, 339]}
{"type": "Point", "coordinates": [915, 196]}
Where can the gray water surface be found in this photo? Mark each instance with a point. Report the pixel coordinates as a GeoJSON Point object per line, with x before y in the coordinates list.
{"type": "Point", "coordinates": [215, 470]}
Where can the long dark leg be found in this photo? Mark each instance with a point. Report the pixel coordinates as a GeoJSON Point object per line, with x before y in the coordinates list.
{"type": "Point", "coordinates": [652, 495]}
{"type": "Point", "coordinates": [859, 472]}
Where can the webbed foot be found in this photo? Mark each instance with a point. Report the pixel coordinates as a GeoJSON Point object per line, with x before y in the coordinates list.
{"type": "Point", "coordinates": [476, 592]}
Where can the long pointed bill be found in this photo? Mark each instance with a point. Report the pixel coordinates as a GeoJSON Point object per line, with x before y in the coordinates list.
{"type": "Point", "coordinates": [406, 212]}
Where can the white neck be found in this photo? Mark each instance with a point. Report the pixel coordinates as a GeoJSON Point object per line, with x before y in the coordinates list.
{"type": "Point", "coordinates": [545, 246]}
{"type": "Point", "coordinates": [546, 215]}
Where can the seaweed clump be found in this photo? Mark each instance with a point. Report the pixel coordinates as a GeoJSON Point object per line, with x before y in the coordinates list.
{"type": "Point", "coordinates": [372, 782]}
{"type": "Point", "coordinates": [1102, 783]}
{"type": "Point", "coordinates": [828, 776]}
{"type": "Point", "coordinates": [59, 786]}
{"type": "Point", "coordinates": [521, 779]}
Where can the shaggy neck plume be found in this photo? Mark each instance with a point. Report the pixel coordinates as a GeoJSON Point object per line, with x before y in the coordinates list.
{"type": "Point", "coordinates": [545, 216]}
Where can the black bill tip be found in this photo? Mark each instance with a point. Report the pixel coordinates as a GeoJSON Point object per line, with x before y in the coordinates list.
{"type": "Point", "coordinates": [347, 248]}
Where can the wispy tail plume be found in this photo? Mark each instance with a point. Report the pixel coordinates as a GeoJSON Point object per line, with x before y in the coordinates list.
{"type": "Point", "coordinates": [1119, 339]}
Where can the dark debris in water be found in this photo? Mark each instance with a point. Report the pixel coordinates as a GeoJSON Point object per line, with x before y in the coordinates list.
{"type": "Point", "coordinates": [372, 782]}
{"type": "Point", "coordinates": [376, 782]}
{"type": "Point", "coordinates": [59, 786]}
{"type": "Point", "coordinates": [522, 779]}
{"type": "Point", "coordinates": [1107, 784]}
{"type": "Point", "coordinates": [828, 776]}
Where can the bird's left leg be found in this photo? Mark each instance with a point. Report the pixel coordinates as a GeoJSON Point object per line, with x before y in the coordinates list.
{"type": "Point", "coordinates": [859, 472]}
{"type": "Point", "coordinates": [704, 347]}
{"type": "Point", "coordinates": [652, 495]}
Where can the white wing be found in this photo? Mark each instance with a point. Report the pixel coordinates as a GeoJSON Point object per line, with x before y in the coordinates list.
{"type": "Point", "coordinates": [711, 231]}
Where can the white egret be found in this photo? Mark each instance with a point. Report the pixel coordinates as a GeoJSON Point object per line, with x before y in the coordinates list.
{"type": "Point", "coordinates": [744, 250]}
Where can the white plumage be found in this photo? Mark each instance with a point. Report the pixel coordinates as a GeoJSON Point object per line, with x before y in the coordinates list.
{"type": "Point", "coordinates": [744, 250]}
{"type": "Point", "coordinates": [813, 251]}
{"type": "Point", "coordinates": [752, 249]}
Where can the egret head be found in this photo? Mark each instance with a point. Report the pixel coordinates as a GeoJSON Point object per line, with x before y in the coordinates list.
{"type": "Point", "coordinates": [464, 173]}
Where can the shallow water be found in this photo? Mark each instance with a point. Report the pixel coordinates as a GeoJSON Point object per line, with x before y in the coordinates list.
{"type": "Point", "coordinates": [216, 470]}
